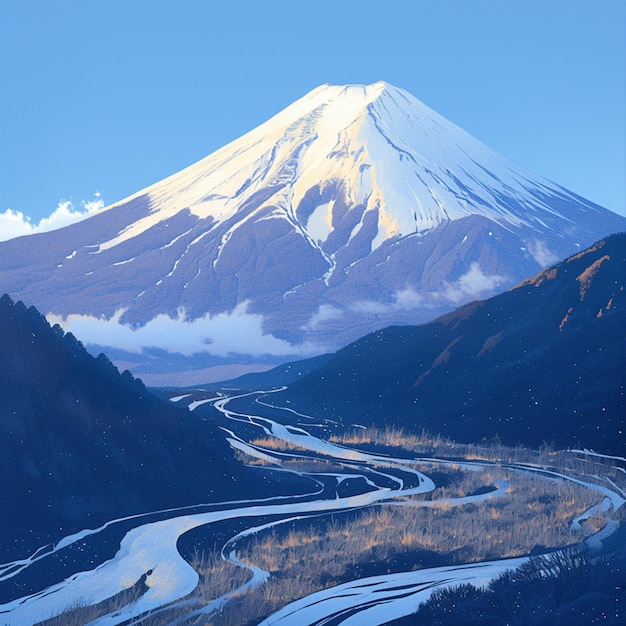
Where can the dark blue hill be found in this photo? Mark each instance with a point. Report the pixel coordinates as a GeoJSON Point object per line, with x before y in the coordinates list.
{"type": "Point", "coordinates": [81, 443]}
{"type": "Point", "coordinates": [545, 361]}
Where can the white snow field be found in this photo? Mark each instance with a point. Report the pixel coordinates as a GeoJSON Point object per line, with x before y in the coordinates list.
{"type": "Point", "coordinates": [390, 150]}
{"type": "Point", "coordinates": [382, 598]}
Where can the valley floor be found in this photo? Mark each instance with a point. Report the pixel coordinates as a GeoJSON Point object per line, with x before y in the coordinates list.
{"type": "Point", "coordinates": [388, 518]}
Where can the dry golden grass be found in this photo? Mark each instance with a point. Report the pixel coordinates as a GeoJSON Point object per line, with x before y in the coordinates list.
{"type": "Point", "coordinates": [426, 444]}
{"type": "Point", "coordinates": [273, 443]}
{"type": "Point", "coordinates": [533, 513]}
{"type": "Point", "coordinates": [217, 576]}
{"type": "Point", "coordinates": [80, 615]}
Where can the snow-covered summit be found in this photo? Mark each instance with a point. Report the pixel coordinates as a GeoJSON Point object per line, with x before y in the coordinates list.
{"type": "Point", "coordinates": [383, 148]}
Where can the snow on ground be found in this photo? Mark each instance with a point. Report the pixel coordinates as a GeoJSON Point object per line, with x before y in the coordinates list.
{"type": "Point", "coordinates": [179, 398]}
{"type": "Point", "coordinates": [615, 500]}
{"type": "Point", "coordinates": [197, 403]}
{"type": "Point", "coordinates": [150, 549]}
{"type": "Point", "coordinates": [602, 456]}
{"type": "Point", "coordinates": [380, 599]}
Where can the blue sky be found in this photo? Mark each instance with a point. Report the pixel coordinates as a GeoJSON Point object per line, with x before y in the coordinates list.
{"type": "Point", "coordinates": [101, 98]}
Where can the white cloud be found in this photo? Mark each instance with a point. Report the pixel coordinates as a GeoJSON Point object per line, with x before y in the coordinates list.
{"type": "Point", "coordinates": [237, 332]}
{"type": "Point", "coordinates": [406, 300]}
{"type": "Point", "coordinates": [324, 313]}
{"type": "Point", "coordinates": [541, 253]}
{"type": "Point", "coordinates": [15, 223]}
{"type": "Point", "coordinates": [473, 284]}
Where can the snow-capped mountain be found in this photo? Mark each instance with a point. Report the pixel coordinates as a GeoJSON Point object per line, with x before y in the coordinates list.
{"type": "Point", "coordinates": [354, 208]}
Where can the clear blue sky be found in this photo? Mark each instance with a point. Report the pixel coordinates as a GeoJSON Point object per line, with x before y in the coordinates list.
{"type": "Point", "coordinates": [113, 95]}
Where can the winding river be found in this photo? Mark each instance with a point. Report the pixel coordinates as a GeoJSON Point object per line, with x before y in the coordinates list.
{"type": "Point", "coordinates": [147, 544]}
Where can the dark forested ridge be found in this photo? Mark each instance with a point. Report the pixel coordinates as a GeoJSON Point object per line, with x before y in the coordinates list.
{"type": "Point", "coordinates": [545, 361]}
{"type": "Point", "coordinates": [81, 443]}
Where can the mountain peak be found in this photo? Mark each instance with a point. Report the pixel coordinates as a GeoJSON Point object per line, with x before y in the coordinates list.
{"type": "Point", "coordinates": [354, 208]}
{"type": "Point", "coordinates": [376, 144]}
{"type": "Point", "coordinates": [357, 92]}
{"type": "Point", "coordinates": [326, 134]}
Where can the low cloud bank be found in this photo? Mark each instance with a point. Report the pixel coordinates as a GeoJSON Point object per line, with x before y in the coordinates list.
{"type": "Point", "coordinates": [472, 285]}
{"type": "Point", "coordinates": [240, 332]}
{"type": "Point", "coordinates": [405, 300]}
{"type": "Point", "coordinates": [223, 334]}
{"type": "Point", "coordinates": [541, 253]}
{"type": "Point", "coordinates": [15, 223]}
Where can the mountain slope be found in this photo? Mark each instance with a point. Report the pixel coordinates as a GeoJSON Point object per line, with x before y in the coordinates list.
{"type": "Point", "coordinates": [545, 361]}
{"type": "Point", "coordinates": [82, 444]}
{"type": "Point", "coordinates": [354, 208]}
